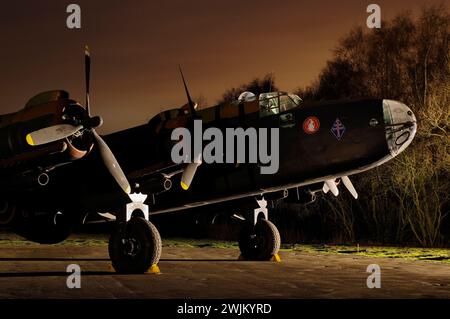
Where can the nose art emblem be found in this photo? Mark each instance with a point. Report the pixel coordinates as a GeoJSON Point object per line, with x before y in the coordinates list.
{"type": "Point", "coordinates": [311, 125]}
{"type": "Point", "coordinates": [338, 129]}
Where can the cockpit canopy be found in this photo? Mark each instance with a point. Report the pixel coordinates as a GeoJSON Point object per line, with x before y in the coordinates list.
{"type": "Point", "coordinates": [275, 102]}
{"type": "Point", "coordinates": [266, 104]}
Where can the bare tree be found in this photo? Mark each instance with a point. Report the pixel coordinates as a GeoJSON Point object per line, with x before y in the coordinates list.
{"type": "Point", "coordinates": [407, 60]}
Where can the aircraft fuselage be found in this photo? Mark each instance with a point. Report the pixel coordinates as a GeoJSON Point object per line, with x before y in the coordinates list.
{"type": "Point", "coordinates": [344, 138]}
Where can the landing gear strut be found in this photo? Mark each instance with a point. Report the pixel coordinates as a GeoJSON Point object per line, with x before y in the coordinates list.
{"type": "Point", "coordinates": [260, 240]}
{"type": "Point", "coordinates": [135, 245]}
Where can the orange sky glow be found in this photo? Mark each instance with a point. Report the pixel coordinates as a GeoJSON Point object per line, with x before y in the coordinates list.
{"type": "Point", "coordinates": [137, 46]}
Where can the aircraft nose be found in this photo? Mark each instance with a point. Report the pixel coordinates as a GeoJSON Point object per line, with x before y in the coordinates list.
{"type": "Point", "coordinates": [401, 126]}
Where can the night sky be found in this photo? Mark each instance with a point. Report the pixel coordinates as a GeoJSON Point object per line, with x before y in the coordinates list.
{"type": "Point", "coordinates": [137, 45]}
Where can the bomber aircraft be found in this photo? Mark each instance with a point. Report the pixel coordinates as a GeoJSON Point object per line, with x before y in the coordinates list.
{"type": "Point", "coordinates": [52, 176]}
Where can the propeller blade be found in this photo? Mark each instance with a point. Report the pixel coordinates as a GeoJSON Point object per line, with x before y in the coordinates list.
{"type": "Point", "coordinates": [189, 173]}
{"type": "Point", "coordinates": [192, 105]}
{"type": "Point", "coordinates": [348, 184]}
{"type": "Point", "coordinates": [332, 186]}
{"type": "Point", "coordinates": [111, 163]}
{"type": "Point", "coordinates": [325, 188]}
{"type": "Point", "coordinates": [51, 134]}
{"type": "Point", "coordinates": [87, 70]}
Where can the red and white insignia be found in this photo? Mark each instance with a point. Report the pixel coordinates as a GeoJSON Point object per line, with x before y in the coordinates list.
{"type": "Point", "coordinates": [311, 125]}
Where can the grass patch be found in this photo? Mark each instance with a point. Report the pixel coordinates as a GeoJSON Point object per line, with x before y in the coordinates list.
{"type": "Point", "coordinates": [199, 243]}
{"type": "Point", "coordinates": [11, 239]}
{"type": "Point", "coordinates": [408, 253]}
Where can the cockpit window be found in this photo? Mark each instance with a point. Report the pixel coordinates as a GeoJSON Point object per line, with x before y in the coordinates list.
{"type": "Point", "coordinates": [275, 102]}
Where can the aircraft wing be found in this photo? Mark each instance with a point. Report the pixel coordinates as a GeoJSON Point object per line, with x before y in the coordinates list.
{"type": "Point", "coordinates": [162, 174]}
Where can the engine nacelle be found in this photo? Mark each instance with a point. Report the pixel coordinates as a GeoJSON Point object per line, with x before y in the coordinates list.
{"type": "Point", "coordinates": [26, 181]}
{"type": "Point", "coordinates": [155, 185]}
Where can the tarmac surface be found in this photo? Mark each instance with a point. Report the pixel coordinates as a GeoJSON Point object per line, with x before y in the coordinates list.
{"type": "Point", "coordinates": [39, 271]}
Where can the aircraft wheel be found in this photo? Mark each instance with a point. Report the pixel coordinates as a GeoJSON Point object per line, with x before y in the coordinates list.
{"type": "Point", "coordinates": [260, 242]}
{"type": "Point", "coordinates": [7, 212]}
{"type": "Point", "coordinates": [42, 227]}
{"type": "Point", "coordinates": [136, 247]}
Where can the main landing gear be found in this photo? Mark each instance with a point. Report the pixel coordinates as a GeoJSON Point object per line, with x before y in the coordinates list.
{"type": "Point", "coordinates": [260, 240]}
{"type": "Point", "coordinates": [135, 245]}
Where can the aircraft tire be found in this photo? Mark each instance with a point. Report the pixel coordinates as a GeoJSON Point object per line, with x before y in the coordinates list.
{"type": "Point", "coordinates": [7, 212]}
{"type": "Point", "coordinates": [260, 242]}
{"type": "Point", "coordinates": [41, 227]}
{"type": "Point", "coordinates": [136, 248]}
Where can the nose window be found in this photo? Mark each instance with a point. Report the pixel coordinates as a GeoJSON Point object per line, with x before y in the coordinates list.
{"type": "Point", "coordinates": [400, 125]}
{"type": "Point", "coordinates": [402, 138]}
{"type": "Point", "coordinates": [387, 113]}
